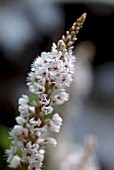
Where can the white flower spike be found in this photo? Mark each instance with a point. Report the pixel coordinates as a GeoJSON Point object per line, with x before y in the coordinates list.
{"type": "Point", "coordinates": [50, 74]}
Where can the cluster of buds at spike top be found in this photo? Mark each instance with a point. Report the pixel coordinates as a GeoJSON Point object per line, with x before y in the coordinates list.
{"type": "Point", "coordinates": [50, 74]}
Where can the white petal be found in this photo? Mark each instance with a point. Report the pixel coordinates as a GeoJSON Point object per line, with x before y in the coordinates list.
{"type": "Point", "coordinates": [15, 162]}
{"type": "Point", "coordinates": [57, 119]}
{"type": "Point", "coordinates": [20, 120]}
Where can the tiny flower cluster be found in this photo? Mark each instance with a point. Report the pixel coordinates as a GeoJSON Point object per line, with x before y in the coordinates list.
{"type": "Point", "coordinates": [50, 74]}
{"type": "Point", "coordinates": [28, 145]}
{"type": "Point", "coordinates": [49, 69]}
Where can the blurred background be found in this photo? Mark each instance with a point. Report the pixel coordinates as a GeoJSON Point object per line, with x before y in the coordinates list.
{"type": "Point", "coordinates": [28, 27]}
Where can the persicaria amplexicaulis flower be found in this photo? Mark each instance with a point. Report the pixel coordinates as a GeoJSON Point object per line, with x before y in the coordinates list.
{"type": "Point", "coordinates": [50, 74]}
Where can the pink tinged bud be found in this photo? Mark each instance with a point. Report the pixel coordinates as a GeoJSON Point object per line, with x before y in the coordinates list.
{"type": "Point", "coordinates": [47, 142]}
{"type": "Point", "coordinates": [47, 110]}
{"type": "Point", "coordinates": [20, 120]}
{"type": "Point", "coordinates": [20, 131]}
{"type": "Point", "coordinates": [63, 96]}
{"type": "Point", "coordinates": [15, 162]}
{"type": "Point", "coordinates": [60, 98]}
{"type": "Point", "coordinates": [57, 119]}
{"type": "Point", "coordinates": [53, 127]}
{"type": "Point", "coordinates": [51, 142]}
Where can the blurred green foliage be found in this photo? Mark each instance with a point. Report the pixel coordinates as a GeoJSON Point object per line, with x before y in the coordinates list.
{"type": "Point", "coordinates": [4, 142]}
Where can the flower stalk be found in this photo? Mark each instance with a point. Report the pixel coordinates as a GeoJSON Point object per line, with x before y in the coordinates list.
{"type": "Point", "coordinates": [50, 74]}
